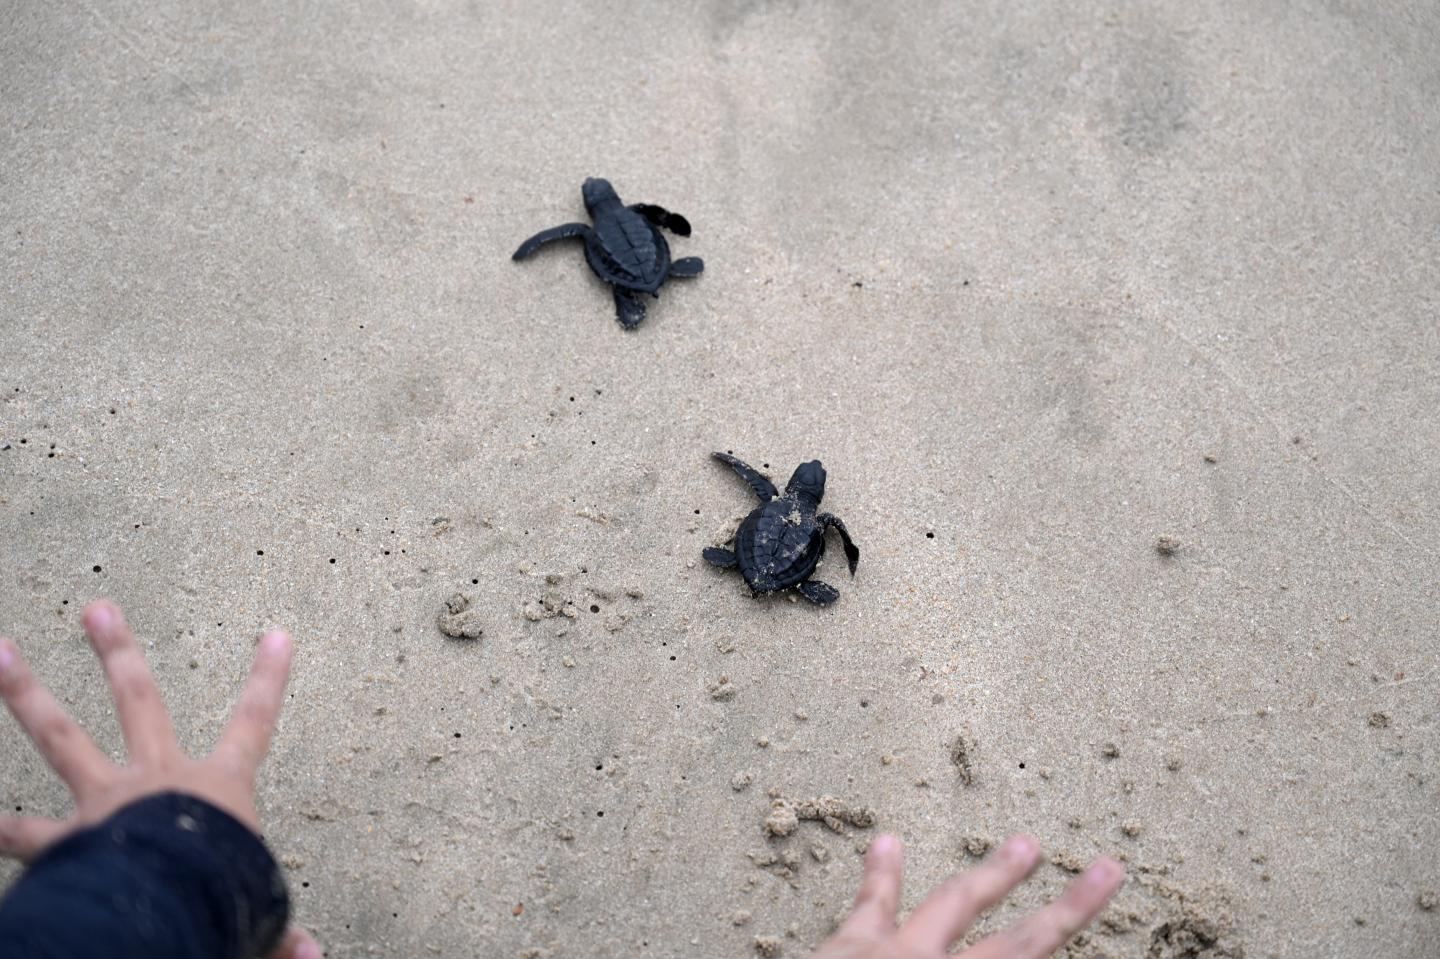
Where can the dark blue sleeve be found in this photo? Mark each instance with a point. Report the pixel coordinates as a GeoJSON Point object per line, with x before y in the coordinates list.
{"type": "Point", "coordinates": [168, 877]}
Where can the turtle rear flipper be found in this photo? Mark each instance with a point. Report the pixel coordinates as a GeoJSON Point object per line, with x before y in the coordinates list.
{"type": "Point", "coordinates": [629, 311]}
{"type": "Point", "coordinates": [821, 594]}
{"type": "Point", "coordinates": [562, 232]}
{"type": "Point", "coordinates": [686, 267]}
{"type": "Point", "coordinates": [723, 558]}
{"type": "Point", "coordinates": [759, 483]}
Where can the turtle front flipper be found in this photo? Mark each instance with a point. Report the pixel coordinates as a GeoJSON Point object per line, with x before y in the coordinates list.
{"type": "Point", "coordinates": [852, 552]}
{"type": "Point", "coordinates": [722, 558]}
{"type": "Point", "coordinates": [629, 311]}
{"type": "Point", "coordinates": [660, 216]}
{"type": "Point", "coordinates": [821, 594]}
{"type": "Point", "coordinates": [759, 483]}
{"type": "Point", "coordinates": [562, 232]}
{"type": "Point", "coordinates": [687, 266]}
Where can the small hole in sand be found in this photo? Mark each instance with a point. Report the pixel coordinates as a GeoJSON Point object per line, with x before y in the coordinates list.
{"type": "Point", "coordinates": [259, 552]}
{"type": "Point", "coordinates": [457, 735]}
{"type": "Point", "coordinates": [1022, 765]}
{"type": "Point", "coordinates": [600, 813]}
{"type": "Point", "coordinates": [332, 560]}
{"type": "Point", "coordinates": [929, 535]}
{"type": "Point", "coordinates": [594, 608]}
{"type": "Point", "coordinates": [96, 569]}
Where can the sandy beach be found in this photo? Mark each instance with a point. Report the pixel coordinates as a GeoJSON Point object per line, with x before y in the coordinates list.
{"type": "Point", "coordinates": [1042, 285]}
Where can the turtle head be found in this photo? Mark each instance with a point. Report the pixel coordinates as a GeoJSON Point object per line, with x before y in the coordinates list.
{"type": "Point", "coordinates": [808, 483]}
{"type": "Point", "coordinates": [598, 192]}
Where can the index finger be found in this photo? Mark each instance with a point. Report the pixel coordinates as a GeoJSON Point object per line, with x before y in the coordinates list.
{"type": "Point", "coordinates": [879, 897]}
{"type": "Point", "coordinates": [149, 736]}
{"type": "Point", "coordinates": [948, 911]}
{"type": "Point", "coordinates": [247, 738]}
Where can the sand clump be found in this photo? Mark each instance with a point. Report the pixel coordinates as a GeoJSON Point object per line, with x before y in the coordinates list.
{"type": "Point", "coordinates": [722, 690]}
{"type": "Point", "coordinates": [548, 606]}
{"type": "Point", "coordinates": [786, 815]}
{"type": "Point", "coordinates": [962, 751]}
{"type": "Point", "coordinates": [1191, 935]}
{"type": "Point", "coordinates": [768, 946]}
{"type": "Point", "coordinates": [458, 620]}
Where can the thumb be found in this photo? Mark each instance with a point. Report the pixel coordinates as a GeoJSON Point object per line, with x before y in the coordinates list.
{"type": "Point", "coordinates": [297, 944]}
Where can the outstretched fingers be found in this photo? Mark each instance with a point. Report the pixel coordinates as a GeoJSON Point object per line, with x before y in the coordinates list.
{"type": "Point", "coordinates": [23, 837]}
{"type": "Point", "coordinates": [878, 900]}
{"type": "Point", "coordinates": [247, 738]}
{"type": "Point", "coordinates": [149, 737]}
{"type": "Point", "coordinates": [65, 746]}
{"type": "Point", "coordinates": [1046, 931]}
{"type": "Point", "coordinates": [948, 911]}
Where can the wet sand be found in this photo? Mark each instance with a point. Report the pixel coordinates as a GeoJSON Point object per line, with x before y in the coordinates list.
{"type": "Point", "coordinates": [1041, 286]}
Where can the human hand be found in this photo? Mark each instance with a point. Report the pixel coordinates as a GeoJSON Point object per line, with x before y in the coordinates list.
{"type": "Point", "coordinates": [225, 778]}
{"type": "Point", "coordinates": [870, 931]}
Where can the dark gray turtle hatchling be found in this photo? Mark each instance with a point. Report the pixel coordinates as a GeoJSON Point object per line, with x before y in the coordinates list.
{"type": "Point", "coordinates": [780, 543]}
{"type": "Point", "coordinates": [625, 247]}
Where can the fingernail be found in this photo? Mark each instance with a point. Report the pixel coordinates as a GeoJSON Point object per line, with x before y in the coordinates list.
{"type": "Point", "coordinates": [1103, 872]}
{"type": "Point", "coordinates": [275, 642]}
{"type": "Point", "coordinates": [1019, 849]}
{"type": "Point", "coordinates": [308, 950]}
{"type": "Point", "coordinates": [7, 655]}
{"type": "Point", "coordinates": [100, 616]}
{"type": "Point", "coordinates": [883, 845]}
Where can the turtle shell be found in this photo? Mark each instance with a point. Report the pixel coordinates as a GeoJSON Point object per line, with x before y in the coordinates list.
{"type": "Point", "coordinates": [779, 545]}
{"type": "Point", "coordinates": [628, 251]}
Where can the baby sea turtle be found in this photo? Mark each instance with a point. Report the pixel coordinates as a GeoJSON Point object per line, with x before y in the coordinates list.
{"type": "Point", "coordinates": [780, 543]}
{"type": "Point", "coordinates": [625, 247]}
